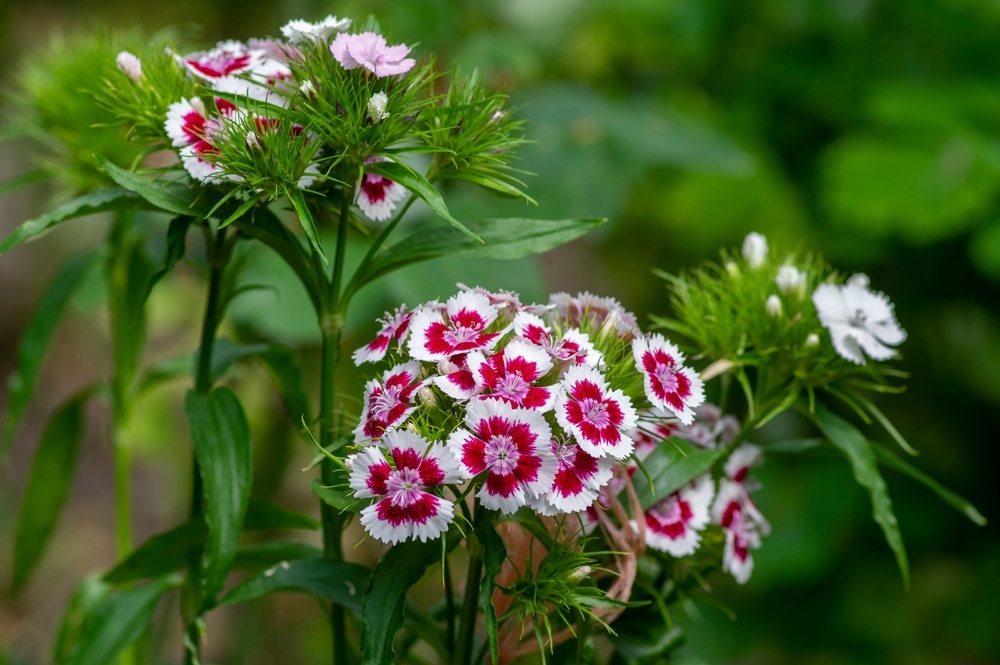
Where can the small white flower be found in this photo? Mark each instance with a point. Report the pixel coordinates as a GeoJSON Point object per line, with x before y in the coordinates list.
{"type": "Point", "coordinates": [307, 89]}
{"type": "Point", "coordinates": [773, 306]}
{"type": "Point", "coordinates": [376, 107]}
{"type": "Point", "coordinates": [791, 280]}
{"type": "Point", "coordinates": [860, 321]}
{"type": "Point", "coordinates": [755, 250]}
{"type": "Point", "coordinates": [130, 65]}
{"type": "Point", "coordinates": [299, 31]}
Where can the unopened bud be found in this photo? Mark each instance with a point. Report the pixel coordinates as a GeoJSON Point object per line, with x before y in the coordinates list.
{"type": "Point", "coordinates": [732, 268]}
{"type": "Point", "coordinates": [580, 574]}
{"type": "Point", "coordinates": [426, 396]}
{"type": "Point", "coordinates": [376, 107]}
{"type": "Point", "coordinates": [307, 89]}
{"type": "Point", "coordinates": [773, 306]}
{"type": "Point", "coordinates": [446, 367]}
{"type": "Point", "coordinates": [755, 249]}
{"type": "Point", "coordinates": [253, 142]}
{"type": "Point", "coordinates": [791, 280]}
{"type": "Point", "coordinates": [130, 65]}
{"type": "Point", "coordinates": [812, 341]}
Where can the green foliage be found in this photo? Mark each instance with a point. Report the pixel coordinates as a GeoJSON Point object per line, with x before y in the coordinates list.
{"type": "Point", "coordinates": [670, 466]}
{"type": "Point", "coordinates": [336, 581]}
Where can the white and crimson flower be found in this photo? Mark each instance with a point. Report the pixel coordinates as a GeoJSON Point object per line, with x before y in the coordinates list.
{"type": "Point", "coordinates": [405, 508]}
{"type": "Point", "coordinates": [511, 373]}
{"type": "Point", "coordinates": [674, 524]}
{"type": "Point", "coordinates": [506, 301]}
{"type": "Point", "coordinates": [395, 327]}
{"type": "Point", "coordinates": [742, 460]}
{"type": "Point", "coordinates": [578, 478]}
{"type": "Point", "coordinates": [298, 31]}
{"type": "Point", "coordinates": [437, 335]}
{"type": "Point", "coordinates": [455, 378]}
{"type": "Point", "coordinates": [190, 128]}
{"type": "Point", "coordinates": [596, 416]}
{"type": "Point", "coordinates": [226, 59]}
{"type": "Point", "coordinates": [388, 404]}
{"type": "Point", "coordinates": [860, 321]}
{"type": "Point", "coordinates": [599, 311]}
{"type": "Point", "coordinates": [573, 345]}
{"type": "Point", "coordinates": [370, 51]}
{"type": "Point", "coordinates": [511, 446]}
{"type": "Point", "coordinates": [669, 384]}
{"type": "Point", "coordinates": [735, 513]}
{"type": "Point", "coordinates": [377, 196]}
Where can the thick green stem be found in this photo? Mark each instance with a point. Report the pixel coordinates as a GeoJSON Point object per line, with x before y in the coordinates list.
{"type": "Point", "coordinates": [462, 654]}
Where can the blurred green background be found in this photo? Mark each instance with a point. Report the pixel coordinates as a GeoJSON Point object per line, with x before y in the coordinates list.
{"type": "Point", "coordinates": [863, 129]}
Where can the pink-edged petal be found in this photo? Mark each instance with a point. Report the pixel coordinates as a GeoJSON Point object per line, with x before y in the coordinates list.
{"type": "Point", "coordinates": [597, 417]}
{"type": "Point", "coordinates": [369, 473]}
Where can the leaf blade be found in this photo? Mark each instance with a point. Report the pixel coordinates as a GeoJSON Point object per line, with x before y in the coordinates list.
{"type": "Point", "coordinates": [672, 465]}
{"type": "Point", "coordinates": [339, 582]}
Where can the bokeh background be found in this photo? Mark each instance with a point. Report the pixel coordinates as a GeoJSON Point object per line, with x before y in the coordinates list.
{"type": "Point", "coordinates": [868, 130]}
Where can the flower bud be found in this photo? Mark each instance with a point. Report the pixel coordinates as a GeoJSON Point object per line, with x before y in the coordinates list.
{"type": "Point", "coordinates": [755, 250]}
{"type": "Point", "coordinates": [376, 107]}
{"type": "Point", "coordinates": [791, 280]}
{"type": "Point", "coordinates": [426, 397]}
{"type": "Point", "coordinates": [307, 89]}
{"type": "Point", "coordinates": [252, 141]}
{"type": "Point", "coordinates": [446, 367]}
{"type": "Point", "coordinates": [812, 341]}
{"type": "Point", "coordinates": [773, 306]}
{"type": "Point", "coordinates": [130, 65]}
{"type": "Point", "coordinates": [580, 574]}
{"type": "Point", "coordinates": [732, 268]}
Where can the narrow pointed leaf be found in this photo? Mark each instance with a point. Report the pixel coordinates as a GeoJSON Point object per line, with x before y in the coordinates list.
{"type": "Point", "coordinates": [341, 498]}
{"type": "Point", "coordinates": [672, 465]}
{"type": "Point", "coordinates": [239, 212]}
{"type": "Point", "coordinates": [38, 334]}
{"type": "Point", "coordinates": [419, 185]}
{"type": "Point", "coordinates": [494, 554]}
{"type": "Point", "coordinates": [102, 200]}
{"type": "Point", "coordinates": [221, 441]}
{"type": "Point", "coordinates": [494, 185]}
{"type": "Point", "coordinates": [17, 182]}
{"type": "Point", "coordinates": [339, 582]}
{"type": "Point", "coordinates": [49, 485]}
{"type": "Point", "coordinates": [176, 246]}
{"type": "Point", "coordinates": [859, 453]}
{"type": "Point", "coordinates": [258, 556]}
{"type": "Point", "coordinates": [88, 595]}
{"type": "Point", "coordinates": [298, 200]}
{"type": "Point", "coordinates": [169, 197]}
{"type": "Point", "coordinates": [117, 622]}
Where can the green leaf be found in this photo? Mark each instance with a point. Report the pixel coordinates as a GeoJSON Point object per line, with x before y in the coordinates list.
{"type": "Point", "coordinates": [221, 440]}
{"type": "Point", "coordinates": [494, 554]}
{"type": "Point", "coordinates": [855, 446]}
{"type": "Point", "coordinates": [88, 595]}
{"type": "Point", "coordinates": [672, 465]}
{"type": "Point", "coordinates": [420, 186]}
{"type": "Point", "coordinates": [298, 200]}
{"type": "Point", "coordinates": [258, 556]}
{"type": "Point", "coordinates": [88, 204]}
{"type": "Point", "coordinates": [340, 498]}
{"type": "Point", "coordinates": [166, 196]}
{"type": "Point", "coordinates": [176, 245]}
{"type": "Point", "coordinates": [239, 212]}
{"type": "Point", "coordinates": [266, 516]}
{"type": "Point", "coordinates": [38, 334]}
{"type": "Point", "coordinates": [49, 485]}
{"type": "Point", "coordinates": [117, 622]}
{"type": "Point", "coordinates": [503, 238]}
{"type": "Point", "coordinates": [382, 608]}
{"type": "Point", "coordinates": [494, 185]}
{"type": "Point", "coordinates": [339, 582]}
{"type": "Point", "coordinates": [17, 182]}
{"type": "Point", "coordinates": [892, 460]}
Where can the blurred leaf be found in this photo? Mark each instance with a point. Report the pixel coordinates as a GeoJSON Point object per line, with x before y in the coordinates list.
{"type": "Point", "coordinates": [855, 446]}
{"type": "Point", "coordinates": [258, 556]}
{"type": "Point", "coordinates": [49, 484]}
{"type": "Point", "coordinates": [168, 197]}
{"type": "Point", "coordinates": [266, 516]}
{"type": "Point", "coordinates": [117, 622]}
{"type": "Point", "coordinates": [128, 271]}
{"type": "Point", "coordinates": [339, 582]}
{"type": "Point", "coordinates": [90, 592]}
{"type": "Point", "coordinates": [672, 465]}
{"type": "Point", "coordinates": [100, 201]}
{"type": "Point", "coordinates": [17, 182]}
{"type": "Point", "coordinates": [645, 641]}
{"type": "Point", "coordinates": [221, 441]}
{"type": "Point", "coordinates": [176, 245]}
{"type": "Point", "coordinates": [494, 554]}
{"type": "Point", "coordinates": [340, 498]}
{"type": "Point", "coordinates": [985, 250]}
{"type": "Point", "coordinates": [38, 334]}
{"type": "Point", "coordinates": [491, 184]}
{"type": "Point", "coordinates": [954, 500]}
{"type": "Point", "coordinates": [421, 187]}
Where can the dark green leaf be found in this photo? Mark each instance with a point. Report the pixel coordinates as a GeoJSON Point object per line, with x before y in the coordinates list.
{"type": "Point", "coordinates": [265, 516]}
{"type": "Point", "coordinates": [794, 445]}
{"type": "Point", "coordinates": [88, 595]}
{"type": "Point", "coordinates": [504, 239]}
{"type": "Point", "coordinates": [239, 212]}
{"type": "Point", "coordinates": [855, 447]}
{"type": "Point", "coordinates": [892, 460]}
{"type": "Point", "coordinates": [494, 185]}
{"type": "Point", "coordinates": [494, 554]}
{"type": "Point", "coordinates": [672, 465]}
{"type": "Point", "coordinates": [339, 582]}
{"type": "Point", "coordinates": [221, 440]}
{"type": "Point", "coordinates": [341, 498]}
{"type": "Point", "coordinates": [258, 556]}
{"type": "Point", "coordinates": [640, 642]}
{"type": "Point", "coordinates": [88, 204]}
{"type": "Point", "coordinates": [38, 334]}
{"type": "Point", "coordinates": [117, 622]}
{"type": "Point", "coordinates": [176, 237]}
{"type": "Point", "coordinates": [166, 196]}
{"type": "Point", "coordinates": [48, 487]}
{"type": "Point", "coordinates": [419, 185]}
{"type": "Point", "coordinates": [281, 363]}
{"type": "Point", "coordinates": [298, 200]}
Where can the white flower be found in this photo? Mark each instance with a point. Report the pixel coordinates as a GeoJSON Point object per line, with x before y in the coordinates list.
{"type": "Point", "coordinates": [791, 280]}
{"type": "Point", "coordinates": [376, 107]}
{"type": "Point", "coordinates": [773, 306]}
{"type": "Point", "coordinates": [299, 31]}
{"type": "Point", "coordinates": [130, 65]}
{"type": "Point", "coordinates": [860, 321]}
{"type": "Point", "coordinates": [755, 249]}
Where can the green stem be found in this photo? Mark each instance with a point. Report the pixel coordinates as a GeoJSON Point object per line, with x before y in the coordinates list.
{"type": "Point", "coordinates": [470, 609]}
{"type": "Point", "coordinates": [378, 242]}
{"type": "Point", "coordinates": [449, 598]}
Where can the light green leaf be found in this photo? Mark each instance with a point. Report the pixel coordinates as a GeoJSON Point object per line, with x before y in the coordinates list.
{"type": "Point", "coordinates": [22, 180]}
{"type": "Point", "coordinates": [49, 485]}
{"type": "Point", "coordinates": [672, 465]}
{"type": "Point", "coordinates": [89, 594]}
{"type": "Point", "coordinates": [117, 622]}
{"type": "Point", "coordinates": [856, 448]}
{"type": "Point", "coordinates": [340, 498]}
{"type": "Point", "coordinates": [221, 440]}
{"type": "Point", "coordinates": [495, 185]}
{"type": "Point", "coordinates": [339, 582]}
{"type": "Point", "coordinates": [298, 200]}
{"type": "Point", "coordinates": [169, 197]}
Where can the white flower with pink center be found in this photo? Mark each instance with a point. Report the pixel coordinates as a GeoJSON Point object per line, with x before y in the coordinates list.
{"type": "Point", "coordinates": [669, 384]}
{"type": "Point", "coordinates": [742, 460]}
{"type": "Point", "coordinates": [226, 59]}
{"type": "Point", "coordinates": [512, 447]}
{"type": "Point", "coordinates": [579, 477]}
{"type": "Point", "coordinates": [596, 416]}
{"type": "Point", "coordinates": [460, 328]}
{"type": "Point", "coordinates": [743, 524]}
{"type": "Point", "coordinates": [370, 51]}
{"type": "Point", "coordinates": [377, 196]}
{"type": "Point", "coordinates": [455, 378]}
{"type": "Point", "coordinates": [191, 129]}
{"type": "Point", "coordinates": [511, 373]}
{"type": "Point", "coordinates": [599, 312]}
{"type": "Point", "coordinates": [395, 327]}
{"type": "Point", "coordinates": [388, 404]}
{"type": "Point", "coordinates": [573, 345]}
{"type": "Point", "coordinates": [674, 524]}
{"type": "Point", "coordinates": [405, 508]}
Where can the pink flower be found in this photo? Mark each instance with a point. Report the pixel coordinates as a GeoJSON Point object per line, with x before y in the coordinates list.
{"type": "Point", "coordinates": [510, 374]}
{"type": "Point", "coordinates": [674, 524]}
{"type": "Point", "coordinates": [377, 196]}
{"type": "Point", "coordinates": [369, 50]}
{"type": "Point", "coordinates": [395, 326]}
{"type": "Point", "coordinates": [405, 509]}
{"type": "Point", "coordinates": [226, 59]}
{"type": "Point", "coordinates": [596, 416]}
{"type": "Point", "coordinates": [191, 129]}
{"type": "Point", "coordinates": [437, 335]}
{"type": "Point", "coordinates": [129, 64]}
{"type": "Point", "coordinates": [511, 446]}
{"type": "Point", "coordinates": [578, 479]}
{"type": "Point", "coordinates": [573, 345]}
{"type": "Point", "coordinates": [669, 385]}
{"type": "Point", "coordinates": [743, 524]}
{"type": "Point", "coordinates": [388, 404]}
